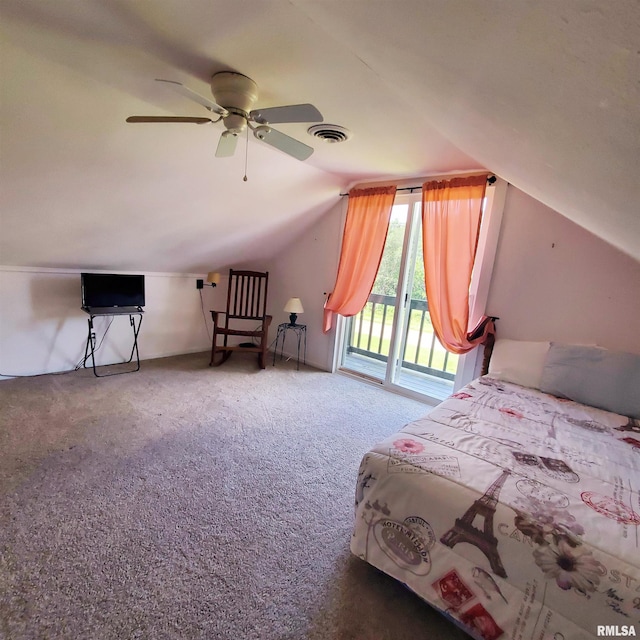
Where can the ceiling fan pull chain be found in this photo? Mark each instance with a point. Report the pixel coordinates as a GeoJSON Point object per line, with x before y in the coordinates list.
{"type": "Point", "coordinates": [246, 156]}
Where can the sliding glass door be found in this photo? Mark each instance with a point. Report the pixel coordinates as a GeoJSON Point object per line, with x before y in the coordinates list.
{"type": "Point", "coordinates": [392, 340]}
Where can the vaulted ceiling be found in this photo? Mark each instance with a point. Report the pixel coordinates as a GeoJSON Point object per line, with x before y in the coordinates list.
{"type": "Point", "coordinates": [546, 94]}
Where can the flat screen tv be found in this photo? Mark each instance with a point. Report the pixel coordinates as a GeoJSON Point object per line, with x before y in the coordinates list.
{"type": "Point", "coordinates": [112, 290]}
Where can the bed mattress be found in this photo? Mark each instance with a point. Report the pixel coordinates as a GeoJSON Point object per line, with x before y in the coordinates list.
{"type": "Point", "coordinates": [513, 512]}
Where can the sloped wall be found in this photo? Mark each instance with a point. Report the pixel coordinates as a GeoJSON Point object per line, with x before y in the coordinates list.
{"type": "Point", "coordinates": [552, 280]}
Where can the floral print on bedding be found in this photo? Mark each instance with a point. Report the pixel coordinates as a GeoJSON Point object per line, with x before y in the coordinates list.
{"type": "Point", "coordinates": [514, 512]}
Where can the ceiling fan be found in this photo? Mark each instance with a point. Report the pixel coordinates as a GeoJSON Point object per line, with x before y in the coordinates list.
{"type": "Point", "coordinates": [234, 95]}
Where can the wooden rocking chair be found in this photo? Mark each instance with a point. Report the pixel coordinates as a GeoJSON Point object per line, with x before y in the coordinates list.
{"type": "Point", "coordinates": [246, 301]}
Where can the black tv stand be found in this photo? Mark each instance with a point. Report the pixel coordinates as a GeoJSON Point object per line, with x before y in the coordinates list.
{"type": "Point", "coordinates": [90, 348]}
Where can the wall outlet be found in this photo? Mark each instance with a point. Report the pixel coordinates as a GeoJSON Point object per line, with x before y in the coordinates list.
{"type": "Point", "coordinates": [199, 284]}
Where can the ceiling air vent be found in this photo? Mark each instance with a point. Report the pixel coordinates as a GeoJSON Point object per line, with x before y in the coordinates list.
{"type": "Point", "coordinates": [330, 133]}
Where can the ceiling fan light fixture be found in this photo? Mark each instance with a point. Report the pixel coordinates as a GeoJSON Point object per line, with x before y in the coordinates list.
{"type": "Point", "coordinates": [330, 133]}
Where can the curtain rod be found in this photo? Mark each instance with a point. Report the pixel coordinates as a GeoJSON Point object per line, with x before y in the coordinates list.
{"type": "Point", "coordinates": [490, 179]}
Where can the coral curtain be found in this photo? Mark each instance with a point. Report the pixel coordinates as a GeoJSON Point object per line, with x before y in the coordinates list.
{"type": "Point", "coordinates": [365, 232]}
{"type": "Point", "coordinates": [451, 215]}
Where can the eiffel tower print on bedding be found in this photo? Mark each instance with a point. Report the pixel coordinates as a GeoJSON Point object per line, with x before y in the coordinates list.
{"type": "Point", "coordinates": [513, 512]}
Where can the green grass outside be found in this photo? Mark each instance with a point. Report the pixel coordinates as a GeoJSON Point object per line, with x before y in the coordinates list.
{"type": "Point", "coordinates": [382, 346]}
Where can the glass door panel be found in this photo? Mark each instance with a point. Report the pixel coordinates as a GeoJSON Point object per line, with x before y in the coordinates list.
{"type": "Point", "coordinates": [425, 366]}
{"type": "Point", "coordinates": [370, 334]}
{"type": "Point", "coordinates": [392, 340]}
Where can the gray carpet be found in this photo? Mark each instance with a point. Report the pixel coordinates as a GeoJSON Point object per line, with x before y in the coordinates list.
{"type": "Point", "coordinates": [189, 502]}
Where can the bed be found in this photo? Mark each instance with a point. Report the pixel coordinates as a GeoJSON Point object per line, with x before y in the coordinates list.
{"type": "Point", "coordinates": [512, 510]}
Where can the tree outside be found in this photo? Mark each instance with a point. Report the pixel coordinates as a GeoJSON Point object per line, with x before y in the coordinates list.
{"type": "Point", "coordinates": [386, 281]}
{"type": "Point", "coordinates": [421, 348]}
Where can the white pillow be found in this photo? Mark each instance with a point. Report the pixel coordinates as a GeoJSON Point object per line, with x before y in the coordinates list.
{"type": "Point", "coordinates": [518, 361]}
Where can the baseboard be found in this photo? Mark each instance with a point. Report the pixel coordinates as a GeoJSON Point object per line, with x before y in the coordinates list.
{"type": "Point", "coordinates": [169, 354]}
{"type": "Point", "coordinates": [294, 356]}
{"type": "Point", "coordinates": [182, 352]}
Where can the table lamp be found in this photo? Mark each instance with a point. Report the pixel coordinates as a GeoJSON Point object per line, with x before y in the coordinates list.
{"type": "Point", "coordinates": [293, 308]}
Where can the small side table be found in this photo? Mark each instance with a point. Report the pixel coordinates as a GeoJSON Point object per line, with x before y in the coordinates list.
{"type": "Point", "coordinates": [301, 332]}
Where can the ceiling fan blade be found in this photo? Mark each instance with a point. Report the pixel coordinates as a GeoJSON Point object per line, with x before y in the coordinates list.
{"type": "Point", "coordinates": [289, 113]}
{"type": "Point", "coordinates": [226, 145]}
{"type": "Point", "coordinates": [192, 95]}
{"type": "Point", "coordinates": [168, 119]}
{"type": "Point", "coordinates": [285, 143]}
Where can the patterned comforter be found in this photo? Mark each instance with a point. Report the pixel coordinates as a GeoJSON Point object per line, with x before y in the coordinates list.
{"type": "Point", "coordinates": [514, 512]}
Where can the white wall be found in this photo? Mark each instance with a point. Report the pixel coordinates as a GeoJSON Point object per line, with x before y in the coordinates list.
{"type": "Point", "coordinates": [553, 280]}
{"type": "Point", "coordinates": [308, 269]}
{"type": "Point", "coordinates": [43, 329]}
